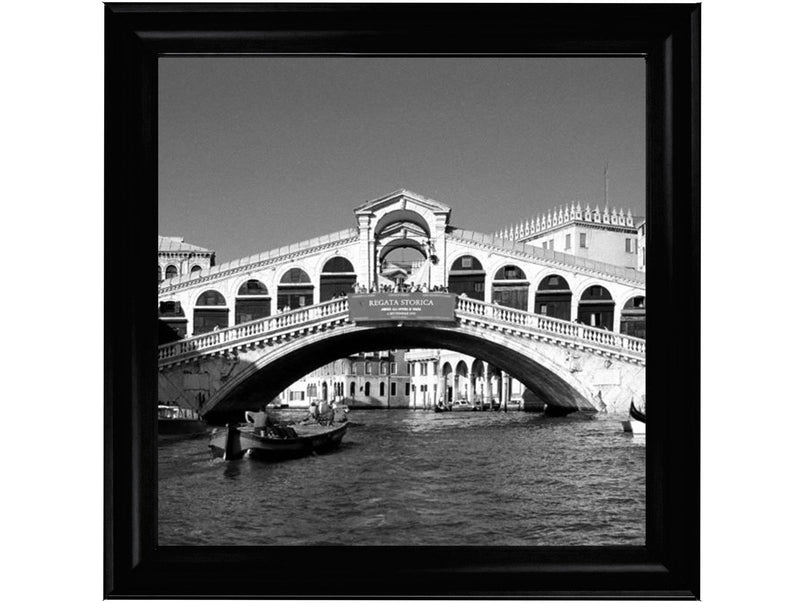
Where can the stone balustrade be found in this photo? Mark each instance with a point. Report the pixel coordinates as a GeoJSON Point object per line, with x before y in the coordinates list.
{"type": "Point", "coordinates": [525, 324]}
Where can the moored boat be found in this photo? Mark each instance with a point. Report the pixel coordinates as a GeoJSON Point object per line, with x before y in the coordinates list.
{"type": "Point", "coordinates": [176, 423]}
{"type": "Point", "coordinates": [276, 442]}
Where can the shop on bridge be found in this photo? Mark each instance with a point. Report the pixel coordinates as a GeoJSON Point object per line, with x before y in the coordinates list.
{"type": "Point", "coordinates": [554, 297]}
{"type": "Point", "coordinates": [210, 312]}
{"type": "Point", "coordinates": [337, 278]}
{"type": "Point", "coordinates": [632, 321]}
{"type": "Point", "coordinates": [252, 302]}
{"type": "Point", "coordinates": [510, 288]}
{"type": "Point", "coordinates": [596, 308]}
{"type": "Point", "coordinates": [172, 314]}
{"type": "Point", "coordinates": [466, 276]}
{"type": "Point", "coordinates": [295, 290]}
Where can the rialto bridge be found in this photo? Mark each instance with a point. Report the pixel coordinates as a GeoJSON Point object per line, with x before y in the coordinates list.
{"type": "Point", "coordinates": [257, 324]}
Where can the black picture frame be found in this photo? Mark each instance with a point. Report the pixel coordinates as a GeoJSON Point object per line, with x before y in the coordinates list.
{"type": "Point", "coordinates": [668, 36]}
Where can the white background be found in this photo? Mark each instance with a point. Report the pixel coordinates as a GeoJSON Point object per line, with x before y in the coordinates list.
{"type": "Point", "coordinates": [753, 362]}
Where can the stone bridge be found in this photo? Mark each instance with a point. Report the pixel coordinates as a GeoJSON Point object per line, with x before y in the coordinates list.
{"type": "Point", "coordinates": [570, 366]}
{"type": "Point", "coordinates": [257, 324]}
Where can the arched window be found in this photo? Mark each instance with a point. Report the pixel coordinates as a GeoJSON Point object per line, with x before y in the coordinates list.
{"type": "Point", "coordinates": [554, 297]}
{"type": "Point", "coordinates": [210, 312]}
{"type": "Point", "coordinates": [467, 276]}
{"type": "Point", "coordinates": [596, 308]}
{"type": "Point", "coordinates": [632, 321]}
{"type": "Point", "coordinates": [368, 388]}
{"type": "Point", "coordinates": [337, 278]}
{"type": "Point", "coordinates": [171, 271]}
{"type": "Point", "coordinates": [382, 389]}
{"type": "Point", "coordinates": [195, 269]}
{"type": "Point", "coordinates": [252, 302]}
{"type": "Point", "coordinates": [295, 290]}
{"type": "Point", "coordinates": [352, 389]}
{"type": "Point", "coordinates": [510, 288]}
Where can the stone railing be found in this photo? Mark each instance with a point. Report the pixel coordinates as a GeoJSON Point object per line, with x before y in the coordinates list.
{"type": "Point", "coordinates": [270, 326]}
{"type": "Point", "coordinates": [524, 323]}
{"type": "Point", "coordinates": [564, 329]}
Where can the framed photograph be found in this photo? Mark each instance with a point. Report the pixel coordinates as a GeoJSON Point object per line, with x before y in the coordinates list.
{"type": "Point", "coordinates": [397, 343]}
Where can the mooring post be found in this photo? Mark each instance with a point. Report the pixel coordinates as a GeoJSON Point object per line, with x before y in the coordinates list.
{"type": "Point", "coordinates": [232, 446]}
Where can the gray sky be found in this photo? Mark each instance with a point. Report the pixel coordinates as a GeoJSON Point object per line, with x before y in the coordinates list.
{"type": "Point", "coordinates": [259, 152]}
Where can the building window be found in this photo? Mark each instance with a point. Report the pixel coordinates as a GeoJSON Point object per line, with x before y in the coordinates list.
{"type": "Point", "coordinates": [628, 248]}
{"type": "Point", "coordinates": [544, 244]}
{"type": "Point", "coordinates": [393, 388]}
{"type": "Point", "coordinates": [552, 281]}
{"type": "Point", "coordinates": [368, 368]}
{"type": "Point", "coordinates": [480, 287]}
{"type": "Point", "coordinates": [195, 269]}
{"type": "Point", "coordinates": [583, 240]}
{"type": "Point", "coordinates": [408, 368]}
{"type": "Point", "coordinates": [567, 242]}
{"type": "Point", "coordinates": [352, 389]}
{"type": "Point", "coordinates": [171, 271]}
{"type": "Point", "coordinates": [543, 309]}
{"type": "Point", "coordinates": [368, 389]}
{"type": "Point", "coordinates": [466, 262]}
{"type": "Point", "coordinates": [382, 389]}
{"type": "Point", "coordinates": [423, 372]}
{"type": "Point", "coordinates": [383, 368]}
{"type": "Point", "coordinates": [393, 368]}
{"type": "Point", "coordinates": [407, 389]}
{"type": "Point", "coordinates": [422, 388]}
{"type": "Point", "coordinates": [550, 244]}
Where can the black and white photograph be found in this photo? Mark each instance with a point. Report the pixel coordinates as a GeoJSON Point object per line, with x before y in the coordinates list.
{"type": "Point", "coordinates": [402, 301]}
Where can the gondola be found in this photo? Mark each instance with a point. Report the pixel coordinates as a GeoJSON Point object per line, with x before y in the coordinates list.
{"type": "Point", "coordinates": [637, 423]}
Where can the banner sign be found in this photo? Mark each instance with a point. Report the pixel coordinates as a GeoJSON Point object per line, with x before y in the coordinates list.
{"type": "Point", "coordinates": [373, 307]}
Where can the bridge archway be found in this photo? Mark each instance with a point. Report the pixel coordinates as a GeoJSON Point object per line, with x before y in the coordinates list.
{"type": "Point", "coordinates": [171, 271]}
{"type": "Point", "coordinates": [510, 287]}
{"type": "Point", "coordinates": [210, 312]}
{"type": "Point", "coordinates": [295, 289]}
{"type": "Point", "coordinates": [467, 276]}
{"type": "Point", "coordinates": [252, 301]}
{"type": "Point", "coordinates": [596, 307]}
{"type": "Point", "coordinates": [338, 277]}
{"type": "Point", "coordinates": [277, 367]}
{"type": "Point", "coordinates": [554, 297]}
{"type": "Point", "coordinates": [447, 383]}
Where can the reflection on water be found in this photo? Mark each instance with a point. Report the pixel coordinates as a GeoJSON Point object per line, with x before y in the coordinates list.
{"type": "Point", "coordinates": [416, 478]}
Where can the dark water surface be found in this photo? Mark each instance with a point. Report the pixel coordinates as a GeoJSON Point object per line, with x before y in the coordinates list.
{"type": "Point", "coordinates": [418, 478]}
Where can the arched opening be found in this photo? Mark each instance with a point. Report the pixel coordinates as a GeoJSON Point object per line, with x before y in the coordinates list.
{"type": "Point", "coordinates": [632, 321]}
{"type": "Point", "coordinates": [367, 389]}
{"type": "Point", "coordinates": [395, 221]}
{"type": "Point", "coordinates": [510, 288]}
{"type": "Point", "coordinates": [461, 381]}
{"type": "Point", "coordinates": [252, 302]}
{"type": "Point", "coordinates": [210, 312]}
{"type": "Point", "coordinates": [448, 385]}
{"type": "Point", "coordinates": [466, 276]}
{"type": "Point", "coordinates": [337, 278]}
{"type": "Point", "coordinates": [554, 297]}
{"type": "Point", "coordinates": [324, 390]}
{"type": "Point", "coordinates": [172, 314]}
{"type": "Point", "coordinates": [596, 308]}
{"type": "Point", "coordinates": [171, 271]}
{"type": "Point", "coordinates": [195, 269]}
{"type": "Point", "coordinates": [352, 389]}
{"type": "Point", "coordinates": [403, 261]}
{"type": "Point", "coordinates": [295, 290]}
{"type": "Point", "coordinates": [477, 383]}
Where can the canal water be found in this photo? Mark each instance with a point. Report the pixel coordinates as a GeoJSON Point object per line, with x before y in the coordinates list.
{"type": "Point", "coordinates": [406, 477]}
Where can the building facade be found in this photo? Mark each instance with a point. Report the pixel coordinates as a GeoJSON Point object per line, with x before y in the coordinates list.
{"type": "Point", "coordinates": [175, 257]}
{"type": "Point", "coordinates": [366, 380]}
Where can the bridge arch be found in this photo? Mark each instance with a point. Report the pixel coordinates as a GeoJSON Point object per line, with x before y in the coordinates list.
{"type": "Point", "coordinates": [277, 367]}
{"type": "Point", "coordinates": [402, 216]}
